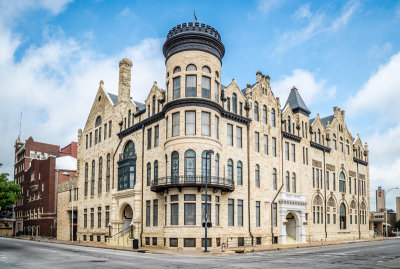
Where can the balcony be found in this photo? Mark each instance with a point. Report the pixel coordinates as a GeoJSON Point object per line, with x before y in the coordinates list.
{"type": "Point", "coordinates": [126, 156]}
{"type": "Point", "coordinates": [164, 183]}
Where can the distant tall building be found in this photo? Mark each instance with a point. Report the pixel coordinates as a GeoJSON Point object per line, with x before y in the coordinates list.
{"type": "Point", "coordinates": [36, 169]}
{"type": "Point", "coordinates": [380, 200]}
{"type": "Point", "coordinates": [397, 208]}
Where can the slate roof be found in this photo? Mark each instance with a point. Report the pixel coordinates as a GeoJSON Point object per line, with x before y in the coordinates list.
{"type": "Point", "coordinates": [114, 99]}
{"type": "Point", "coordinates": [251, 87]}
{"type": "Point", "coordinates": [296, 103]}
{"type": "Point", "coordinates": [324, 120]}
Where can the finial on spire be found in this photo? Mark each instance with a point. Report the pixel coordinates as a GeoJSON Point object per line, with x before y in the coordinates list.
{"type": "Point", "coordinates": [194, 15]}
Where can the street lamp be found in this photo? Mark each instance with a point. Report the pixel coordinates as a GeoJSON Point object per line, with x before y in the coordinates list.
{"type": "Point", "coordinates": [208, 152]}
{"type": "Point", "coordinates": [387, 235]}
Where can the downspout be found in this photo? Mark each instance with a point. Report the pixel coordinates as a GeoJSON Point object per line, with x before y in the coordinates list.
{"type": "Point", "coordinates": [141, 222]}
{"type": "Point", "coordinates": [55, 226]}
{"type": "Point", "coordinates": [326, 233]}
{"type": "Point", "coordinates": [247, 108]}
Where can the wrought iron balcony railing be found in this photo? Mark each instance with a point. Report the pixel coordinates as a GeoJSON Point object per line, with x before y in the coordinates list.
{"type": "Point", "coordinates": [162, 183]}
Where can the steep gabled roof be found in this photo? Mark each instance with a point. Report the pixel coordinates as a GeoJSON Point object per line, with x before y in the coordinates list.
{"type": "Point", "coordinates": [296, 103]}
{"type": "Point", "coordinates": [114, 99]}
{"type": "Point", "coordinates": [326, 119]}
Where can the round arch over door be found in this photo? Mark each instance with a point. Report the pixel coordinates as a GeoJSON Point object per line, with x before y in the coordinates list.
{"type": "Point", "coordinates": [291, 226]}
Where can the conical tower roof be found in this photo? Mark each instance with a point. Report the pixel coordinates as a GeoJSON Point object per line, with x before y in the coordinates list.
{"type": "Point", "coordinates": [296, 103]}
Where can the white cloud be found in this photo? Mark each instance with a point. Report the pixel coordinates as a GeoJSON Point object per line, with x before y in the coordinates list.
{"type": "Point", "coordinates": [380, 93]}
{"type": "Point", "coordinates": [303, 12]}
{"type": "Point", "coordinates": [54, 85]}
{"type": "Point", "coordinates": [379, 52]}
{"type": "Point", "coordinates": [309, 87]}
{"type": "Point", "coordinates": [266, 6]}
{"type": "Point", "coordinates": [127, 12]}
{"type": "Point", "coordinates": [317, 24]}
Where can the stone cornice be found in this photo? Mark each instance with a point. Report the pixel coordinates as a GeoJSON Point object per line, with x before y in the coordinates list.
{"type": "Point", "coordinates": [356, 160]}
{"type": "Point", "coordinates": [291, 136]}
{"type": "Point", "coordinates": [320, 147]}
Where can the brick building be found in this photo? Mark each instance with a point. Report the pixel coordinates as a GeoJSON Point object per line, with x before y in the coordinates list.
{"type": "Point", "coordinates": [275, 176]}
{"type": "Point", "coordinates": [37, 169]}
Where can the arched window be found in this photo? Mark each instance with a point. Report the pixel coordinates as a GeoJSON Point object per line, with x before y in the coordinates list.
{"type": "Point", "coordinates": [217, 165]}
{"type": "Point", "coordinates": [148, 174]}
{"type": "Point", "coordinates": [204, 161]}
{"type": "Point", "coordinates": [257, 175]}
{"type": "Point", "coordinates": [190, 165]}
{"type": "Point", "coordinates": [93, 175]}
{"type": "Point", "coordinates": [127, 167]}
{"type": "Point", "coordinates": [100, 183]}
{"type": "Point", "coordinates": [175, 167]}
{"type": "Point", "coordinates": [317, 210]}
{"type": "Point", "coordinates": [156, 172]}
{"type": "Point", "coordinates": [230, 171]}
{"type": "Point", "coordinates": [98, 121]}
{"type": "Point", "coordinates": [264, 115]}
{"type": "Point", "coordinates": [108, 172]}
{"type": "Point", "coordinates": [274, 179]}
{"type": "Point", "coordinates": [256, 110]}
{"type": "Point", "coordinates": [191, 67]}
{"type": "Point", "coordinates": [287, 182]}
{"type": "Point", "coordinates": [273, 122]}
{"type": "Point", "coordinates": [206, 69]}
{"type": "Point", "coordinates": [239, 173]}
{"type": "Point", "coordinates": [153, 109]}
{"type": "Point", "coordinates": [234, 103]}
{"type": "Point", "coordinates": [289, 125]}
{"type": "Point", "coordinates": [177, 69]}
{"type": "Point", "coordinates": [342, 182]}
{"type": "Point", "coordinates": [293, 182]}
{"type": "Point", "coordinates": [342, 216]}
{"type": "Point", "coordinates": [86, 179]}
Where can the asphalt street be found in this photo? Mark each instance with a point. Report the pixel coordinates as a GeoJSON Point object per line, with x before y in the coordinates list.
{"type": "Point", "coordinates": [16, 253]}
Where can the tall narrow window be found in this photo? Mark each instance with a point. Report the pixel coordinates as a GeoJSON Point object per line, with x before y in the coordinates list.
{"type": "Point", "coordinates": [127, 168]}
{"type": "Point", "coordinates": [230, 171]}
{"type": "Point", "coordinates": [148, 174]}
{"type": "Point", "coordinates": [156, 135]}
{"type": "Point", "coordinates": [156, 172]}
{"type": "Point", "coordinates": [264, 116]}
{"type": "Point", "coordinates": [274, 214]}
{"type": "Point", "coordinates": [293, 153]}
{"type": "Point", "coordinates": [238, 137]}
{"type": "Point", "coordinates": [342, 182]}
{"type": "Point", "coordinates": [153, 107]}
{"type": "Point", "coordinates": [257, 214]}
{"type": "Point", "coordinates": [93, 174]}
{"type": "Point", "coordinates": [149, 138]}
{"type": "Point", "coordinates": [86, 179]}
{"type": "Point", "coordinates": [175, 167]}
{"type": "Point", "coordinates": [191, 82]}
{"type": "Point", "coordinates": [216, 127]}
{"type": "Point", "coordinates": [240, 212]}
{"type": "Point", "coordinates": [257, 142]}
{"type": "Point", "coordinates": [166, 128]}
{"type": "Point", "coordinates": [190, 166]}
{"type": "Point", "coordinates": [234, 103]}
{"type": "Point", "coordinates": [190, 209]}
{"type": "Point", "coordinates": [205, 161]}
{"type": "Point", "coordinates": [257, 176]}
{"type": "Point", "coordinates": [109, 128]}
{"type": "Point", "coordinates": [177, 88]}
{"type": "Point", "coordinates": [230, 134]}
{"type": "Point", "coordinates": [265, 144]}
{"type": "Point", "coordinates": [206, 87]}
{"type": "Point", "coordinates": [148, 215]}
{"type": "Point", "coordinates": [274, 179]}
{"type": "Point", "coordinates": [294, 183]}
{"type": "Point", "coordinates": [230, 212]}
{"type": "Point", "coordinates": [100, 183]}
{"type": "Point", "coordinates": [108, 172]}
{"type": "Point", "coordinates": [190, 122]}
{"type": "Point", "coordinates": [287, 182]}
{"type": "Point", "coordinates": [287, 151]}
{"type": "Point", "coordinates": [256, 110]}
{"type": "Point", "coordinates": [273, 122]}
{"type": "Point", "coordinates": [205, 123]}
{"type": "Point", "coordinates": [274, 146]}
{"type": "Point", "coordinates": [216, 91]}
{"type": "Point", "coordinates": [342, 216]}
{"type": "Point", "coordinates": [155, 212]}
{"type": "Point", "coordinates": [175, 124]}
{"type": "Point", "coordinates": [217, 165]}
{"type": "Point", "coordinates": [289, 127]}
{"type": "Point", "coordinates": [239, 173]}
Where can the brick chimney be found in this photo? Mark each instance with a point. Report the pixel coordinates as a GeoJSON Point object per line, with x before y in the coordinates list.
{"type": "Point", "coordinates": [124, 86]}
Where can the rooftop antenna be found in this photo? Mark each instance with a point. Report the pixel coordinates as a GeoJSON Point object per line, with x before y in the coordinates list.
{"type": "Point", "coordinates": [20, 124]}
{"type": "Point", "coordinates": [195, 18]}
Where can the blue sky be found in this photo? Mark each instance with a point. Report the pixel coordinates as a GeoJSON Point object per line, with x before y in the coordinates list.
{"type": "Point", "coordinates": [337, 53]}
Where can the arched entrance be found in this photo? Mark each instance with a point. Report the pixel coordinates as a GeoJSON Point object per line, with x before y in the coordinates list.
{"type": "Point", "coordinates": [127, 215]}
{"type": "Point", "coordinates": [291, 227]}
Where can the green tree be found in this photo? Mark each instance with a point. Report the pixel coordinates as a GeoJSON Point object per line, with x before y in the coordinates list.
{"type": "Point", "coordinates": [9, 192]}
{"type": "Point", "coordinates": [397, 224]}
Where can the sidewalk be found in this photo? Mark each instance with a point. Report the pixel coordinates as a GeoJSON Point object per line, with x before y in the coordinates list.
{"type": "Point", "coordinates": [212, 251]}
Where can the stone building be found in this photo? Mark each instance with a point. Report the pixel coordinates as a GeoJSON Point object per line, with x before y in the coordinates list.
{"type": "Point", "coordinates": [37, 170]}
{"type": "Point", "coordinates": [275, 175]}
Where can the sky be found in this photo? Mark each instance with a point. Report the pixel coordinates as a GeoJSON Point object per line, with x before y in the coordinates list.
{"type": "Point", "coordinates": [53, 54]}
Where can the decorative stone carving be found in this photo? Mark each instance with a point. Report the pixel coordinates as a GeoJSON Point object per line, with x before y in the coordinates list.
{"type": "Point", "coordinates": [316, 163]}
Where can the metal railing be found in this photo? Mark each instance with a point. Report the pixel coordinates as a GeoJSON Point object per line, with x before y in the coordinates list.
{"type": "Point", "coordinates": [162, 183]}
